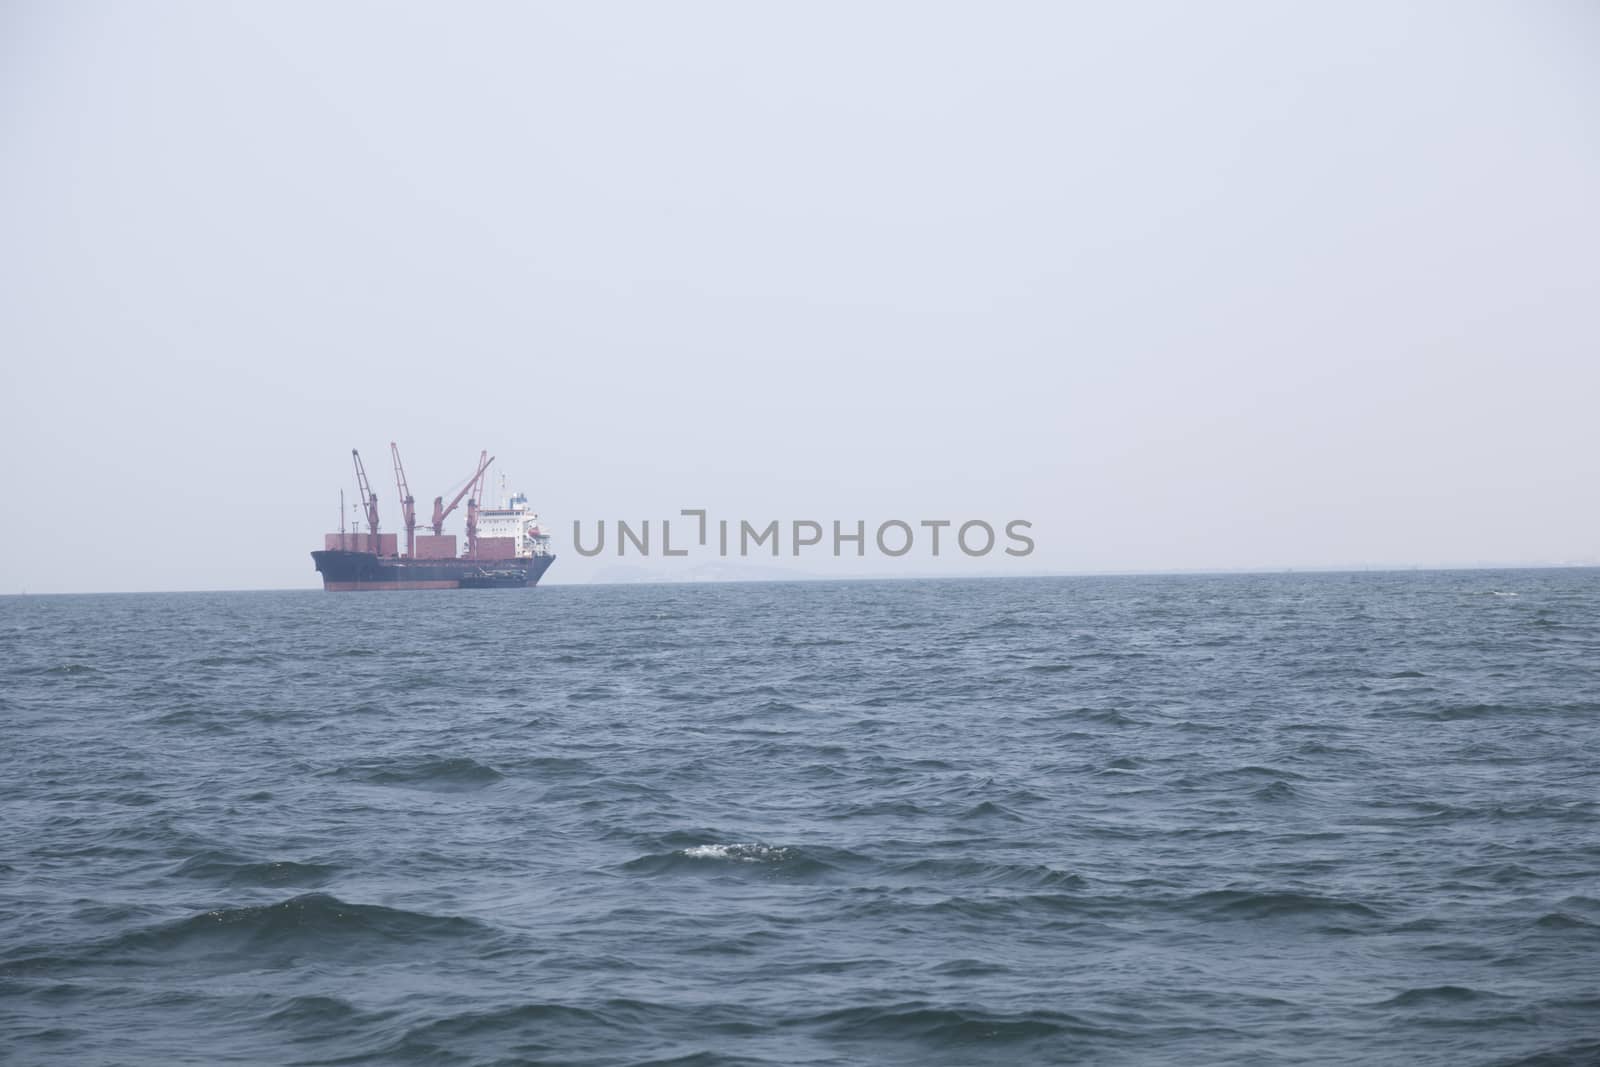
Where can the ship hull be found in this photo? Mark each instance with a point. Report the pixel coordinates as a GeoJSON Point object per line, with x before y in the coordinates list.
{"type": "Point", "coordinates": [349, 572]}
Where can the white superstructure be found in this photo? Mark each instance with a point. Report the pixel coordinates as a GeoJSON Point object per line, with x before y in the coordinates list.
{"type": "Point", "coordinates": [514, 519]}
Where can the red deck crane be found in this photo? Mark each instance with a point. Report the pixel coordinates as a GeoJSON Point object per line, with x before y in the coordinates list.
{"type": "Point", "coordinates": [369, 502]}
{"type": "Point", "coordinates": [473, 500]}
{"type": "Point", "coordinates": [408, 503]}
{"type": "Point", "coordinates": [440, 510]}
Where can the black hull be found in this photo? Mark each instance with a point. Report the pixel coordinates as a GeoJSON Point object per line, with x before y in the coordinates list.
{"type": "Point", "coordinates": [359, 571]}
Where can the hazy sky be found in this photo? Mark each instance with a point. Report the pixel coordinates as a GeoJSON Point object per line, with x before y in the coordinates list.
{"type": "Point", "coordinates": [1186, 285]}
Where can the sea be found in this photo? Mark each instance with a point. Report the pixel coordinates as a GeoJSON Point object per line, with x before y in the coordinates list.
{"type": "Point", "coordinates": [1225, 819]}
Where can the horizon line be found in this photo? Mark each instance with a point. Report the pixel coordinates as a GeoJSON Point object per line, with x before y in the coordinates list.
{"type": "Point", "coordinates": [800, 578]}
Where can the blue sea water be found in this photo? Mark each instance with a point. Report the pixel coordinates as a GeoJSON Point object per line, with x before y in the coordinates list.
{"type": "Point", "coordinates": [1340, 818]}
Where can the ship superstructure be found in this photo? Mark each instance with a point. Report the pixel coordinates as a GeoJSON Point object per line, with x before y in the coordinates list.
{"type": "Point", "coordinates": [512, 526]}
{"type": "Point", "coordinates": [506, 547]}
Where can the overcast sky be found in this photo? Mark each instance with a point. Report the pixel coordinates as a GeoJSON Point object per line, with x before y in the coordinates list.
{"type": "Point", "coordinates": [1188, 286]}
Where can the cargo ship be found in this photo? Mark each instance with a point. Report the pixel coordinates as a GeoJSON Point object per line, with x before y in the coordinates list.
{"type": "Point", "coordinates": [506, 547]}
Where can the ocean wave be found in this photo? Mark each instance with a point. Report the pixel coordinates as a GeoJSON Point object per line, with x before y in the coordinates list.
{"type": "Point", "coordinates": [230, 870]}
{"type": "Point", "coordinates": [313, 921]}
{"type": "Point", "coordinates": [251, 936]}
{"type": "Point", "coordinates": [433, 773]}
{"type": "Point", "coordinates": [1083, 716]}
{"type": "Point", "coordinates": [1458, 712]}
{"type": "Point", "coordinates": [562, 1027]}
{"type": "Point", "coordinates": [1497, 873]}
{"type": "Point", "coordinates": [989, 811]}
{"type": "Point", "coordinates": [1562, 920]}
{"type": "Point", "coordinates": [1581, 903]}
{"type": "Point", "coordinates": [477, 1023]}
{"type": "Point", "coordinates": [947, 1026]}
{"type": "Point", "coordinates": [257, 660]}
{"type": "Point", "coordinates": [196, 716]}
{"type": "Point", "coordinates": [734, 857]}
{"type": "Point", "coordinates": [318, 1017]}
{"type": "Point", "coordinates": [743, 853]}
{"type": "Point", "coordinates": [880, 808]}
{"type": "Point", "coordinates": [1251, 772]}
{"type": "Point", "coordinates": [553, 766]}
{"type": "Point", "coordinates": [982, 904]}
{"type": "Point", "coordinates": [1275, 791]}
{"type": "Point", "coordinates": [937, 872]}
{"type": "Point", "coordinates": [68, 669]}
{"type": "Point", "coordinates": [1439, 994]}
{"type": "Point", "coordinates": [1246, 904]}
{"type": "Point", "coordinates": [967, 967]}
{"type": "Point", "coordinates": [1324, 748]}
{"type": "Point", "coordinates": [1581, 1053]}
{"type": "Point", "coordinates": [775, 707]}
